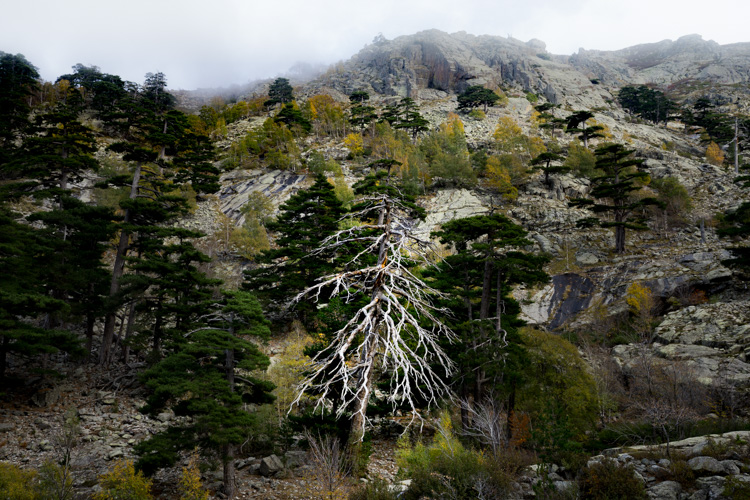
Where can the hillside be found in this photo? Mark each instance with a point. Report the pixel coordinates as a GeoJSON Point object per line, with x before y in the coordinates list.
{"type": "Point", "coordinates": [622, 348]}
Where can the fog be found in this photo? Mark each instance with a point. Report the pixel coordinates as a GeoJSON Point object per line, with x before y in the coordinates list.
{"type": "Point", "coordinates": [225, 42]}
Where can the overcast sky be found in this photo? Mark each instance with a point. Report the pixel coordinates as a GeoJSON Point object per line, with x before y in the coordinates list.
{"type": "Point", "coordinates": [223, 42]}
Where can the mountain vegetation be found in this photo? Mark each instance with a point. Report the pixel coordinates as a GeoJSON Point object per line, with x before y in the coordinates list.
{"type": "Point", "coordinates": [428, 239]}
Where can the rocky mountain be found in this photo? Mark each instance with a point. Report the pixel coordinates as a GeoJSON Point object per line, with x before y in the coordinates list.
{"type": "Point", "coordinates": [433, 66]}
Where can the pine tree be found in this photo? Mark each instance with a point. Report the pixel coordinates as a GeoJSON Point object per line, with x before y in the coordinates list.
{"type": "Point", "coordinates": [75, 237]}
{"type": "Point", "coordinates": [305, 219]}
{"type": "Point", "coordinates": [736, 224]}
{"type": "Point", "coordinates": [58, 148]}
{"type": "Point", "coordinates": [24, 297]}
{"type": "Point", "coordinates": [207, 379]}
{"type": "Point", "coordinates": [613, 190]}
{"type": "Point", "coordinates": [164, 282]}
{"type": "Point", "coordinates": [477, 281]}
{"type": "Point", "coordinates": [156, 135]}
{"type": "Point", "coordinates": [280, 91]}
{"type": "Point", "coordinates": [544, 161]}
{"type": "Point", "coordinates": [475, 96]}
{"type": "Point", "coordinates": [18, 79]}
{"type": "Point", "coordinates": [584, 133]}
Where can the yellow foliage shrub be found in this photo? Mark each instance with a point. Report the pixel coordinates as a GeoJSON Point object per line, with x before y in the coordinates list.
{"type": "Point", "coordinates": [354, 144]}
{"type": "Point", "coordinates": [498, 177]}
{"type": "Point", "coordinates": [639, 298]}
{"type": "Point", "coordinates": [714, 154]}
{"type": "Point", "coordinates": [190, 481]}
{"type": "Point", "coordinates": [122, 482]}
{"type": "Point", "coordinates": [16, 483]}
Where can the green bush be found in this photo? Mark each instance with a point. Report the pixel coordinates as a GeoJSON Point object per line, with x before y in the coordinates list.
{"type": "Point", "coordinates": [736, 489]}
{"type": "Point", "coordinates": [446, 469]}
{"type": "Point", "coordinates": [681, 472]}
{"type": "Point", "coordinates": [608, 479]}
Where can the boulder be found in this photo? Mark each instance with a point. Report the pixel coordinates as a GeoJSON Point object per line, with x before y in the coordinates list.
{"type": "Point", "coordinates": [667, 490]}
{"type": "Point", "coordinates": [706, 465]}
{"type": "Point", "coordinates": [270, 465]}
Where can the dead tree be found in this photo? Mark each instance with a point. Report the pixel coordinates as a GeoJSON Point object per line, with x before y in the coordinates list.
{"type": "Point", "coordinates": [395, 331]}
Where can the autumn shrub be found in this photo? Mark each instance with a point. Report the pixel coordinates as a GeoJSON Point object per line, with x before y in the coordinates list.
{"type": "Point", "coordinates": [498, 174]}
{"type": "Point", "coordinates": [642, 303]}
{"type": "Point", "coordinates": [354, 144]}
{"type": "Point", "coordinates": [477, 114]}
{"type": "Point", "coordinates": [447, 469]}
{"type": "Point", "coordinates": [122, 482]}
{"type": "Point", "coordinates": [331, 466]}
{"type": "Point", "coordinates": [611, 480]}
{"type": "Point", "coordinates": [447, 154]}
{"type": "Point", "coordinates": [190, 485]}
{"type": "Point", "coordinates": [714, 154]}
{"type": "Point", "coordinates": [17, 483]}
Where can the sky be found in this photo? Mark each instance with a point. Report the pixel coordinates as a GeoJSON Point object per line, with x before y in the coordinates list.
{"type": "Point", "coordinates": [218, 43]}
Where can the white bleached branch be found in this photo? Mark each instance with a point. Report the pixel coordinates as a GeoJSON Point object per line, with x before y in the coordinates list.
{"type": "Point", "coordinates": [397, 331]}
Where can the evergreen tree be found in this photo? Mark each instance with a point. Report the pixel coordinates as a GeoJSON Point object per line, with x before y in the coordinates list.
{"type": "Point", "coordinates": [736, 224]}
{"type": "Point", "coordinates": [305, 219]}
{"type": "Point", "coordinates": [361, 115]}
{"type": "Point", "coordinates": [477, 281]}
{"type": "Point", "coordinates": [280, 91]}
{"type": "Point", "coordinates": [156, 131]}
{"type": "Point", "coordinates": [649, 104]}
{"type": "Point", "coordinates": [475, 96]}
{"type": "Point", "coordinates": [544, 161]}
{"type": "Point", "coordinates": [208, 379]}
{"type": "Point", "coordinates": [291, 116]}
{"type": "Point", "coordinates": [584, 133]}
{"type": "Point", "coordinates": [58, 148]}
{"type": "Point", "coordinates": [410, 119]}
{"type": "Point", "coordinates": [75, 237]}
{"type": "Point", "coordinates": [703, 115]}
{"type": "Point", "coordinates": [165, 284]}
{"type": "Point", "coordinates": [18, 80]}
{"type": "Point", "coordinates": [614, 189]}
{"type": "Point", "coordinates": [24, 298]}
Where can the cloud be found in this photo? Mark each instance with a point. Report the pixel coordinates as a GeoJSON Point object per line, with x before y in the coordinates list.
{"type": "Point", "coordinates": [201, 44]}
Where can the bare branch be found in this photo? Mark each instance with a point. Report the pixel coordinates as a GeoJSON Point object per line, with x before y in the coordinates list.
{"type": "Point", "coordinates": [397, 331]}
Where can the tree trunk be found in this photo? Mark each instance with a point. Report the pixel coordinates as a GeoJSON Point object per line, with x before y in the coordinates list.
{"type": "Point", "coordinates": [364, 382]}
{"type": "Point", "coordinates": [128, 333]}
{"type": "Point", "coordinates": [484, 313]}
{"type": "Point", "coordinates": [229, 367]}
{"type": "Point", "coordinates": [229, 472]}
{"type": "Point", "coordinates": [3, 355]}
{"type": "Point", "coordinates": [117, 272]}
{"type": "Point", "coordinates": [619, 239]}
